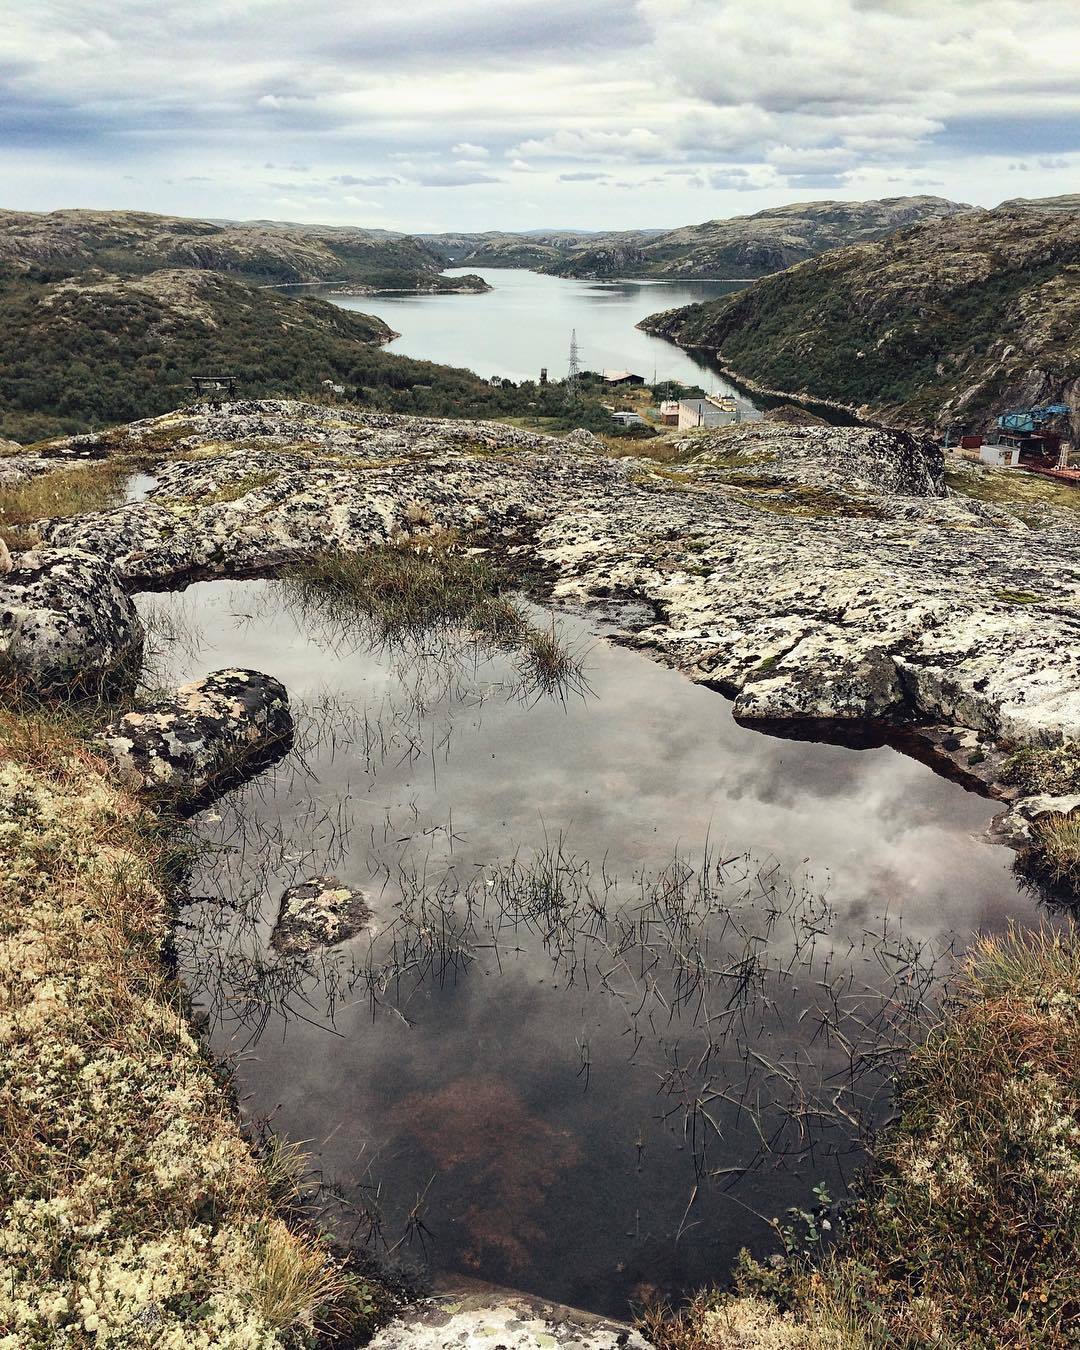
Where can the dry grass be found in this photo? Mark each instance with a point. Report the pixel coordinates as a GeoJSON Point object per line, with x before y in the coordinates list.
{"type": "Point", "coordinates": [1026, 495]}
{"type": "Point", "coordinates": [94, 486]}
{"type": "Point", "coordinates": [135, 1214]}
{"type": "Point", "coordinates": [1056, 849]}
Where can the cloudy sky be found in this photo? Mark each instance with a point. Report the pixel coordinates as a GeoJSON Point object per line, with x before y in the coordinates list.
{"type": "Point", "coordinates": [512, 114]}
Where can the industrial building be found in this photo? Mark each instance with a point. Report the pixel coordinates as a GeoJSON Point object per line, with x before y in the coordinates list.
{"type": "Point", "coordinates": [711, 411]}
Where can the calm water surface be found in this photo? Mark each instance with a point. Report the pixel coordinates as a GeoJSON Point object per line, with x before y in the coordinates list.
{"type": "Point", "coordinates": [586, 1048]}
{"type": "Point", "coordinates": [526, 321]}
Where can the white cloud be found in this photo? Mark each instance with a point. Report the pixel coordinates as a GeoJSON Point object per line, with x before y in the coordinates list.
{"type": "Point", "coordinates": [719, 98]}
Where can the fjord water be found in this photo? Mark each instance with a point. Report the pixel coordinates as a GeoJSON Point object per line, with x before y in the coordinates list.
{"type": "Point", "coordinates": [589, 1046]}
{"type": "Point", "coordinates": [525, 322]}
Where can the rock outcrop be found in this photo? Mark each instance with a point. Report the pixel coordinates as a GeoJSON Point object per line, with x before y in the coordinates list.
{"type": "Point", "coordinates": [810, 573]}
{"type": "Point", "coordinates": [504, 1320]}
{"type": "Point", "coordinates": [66, 623]}
{"type": "Point", "coordinates": [188, 747]}
{"type": "Point", "coordinates": [319, 913]}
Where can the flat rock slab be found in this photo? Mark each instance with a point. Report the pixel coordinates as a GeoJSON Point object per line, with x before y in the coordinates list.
{"type": "Point", "coordinates": [319, 913]}
{"type": "Point", "coordinates": [66, 623]}
{"type": "Point", "coordinates": [190, 746]}
{"type": "Point", "coordinates": [806, 572]}
{"type": "Point", "coordinates": [503, 1320]}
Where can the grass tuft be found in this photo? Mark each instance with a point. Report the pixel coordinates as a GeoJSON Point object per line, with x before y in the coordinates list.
{"type": "Point", "coordinates": [402, 593]}
{"type": "Point", "coordinates": [94, 486]}
{"type": "Point", "coordinates": [1057, 848]}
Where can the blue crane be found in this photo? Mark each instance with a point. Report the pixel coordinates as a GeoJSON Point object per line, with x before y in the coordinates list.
{"type": "Point", "coordinates": [1029, 421]}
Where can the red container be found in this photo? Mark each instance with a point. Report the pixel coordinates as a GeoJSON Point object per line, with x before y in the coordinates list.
{"type": "Point", "coordinates": [970, 442]}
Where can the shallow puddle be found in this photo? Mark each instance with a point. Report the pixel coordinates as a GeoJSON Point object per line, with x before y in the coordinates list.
{"type": "Point", "coordinates": [626, 957]}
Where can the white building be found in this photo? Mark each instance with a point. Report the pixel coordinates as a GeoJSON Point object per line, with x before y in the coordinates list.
{"type": "Point", "coordinates": [1001, 456]}
{"type": "Point", "coordinates": [711, 411]}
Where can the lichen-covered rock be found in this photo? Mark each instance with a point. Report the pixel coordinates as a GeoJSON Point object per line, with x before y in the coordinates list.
{"type": "Point", "coordinates": [319, 913]}
{"type": "Point", "coordinates": [868, 459]}
{"type": "Point", "coordinates": [809, 572]}
{"type": "Point", "coordinates": [1014, 826]}
{"type": "Point", "coordinates": [66, 623]}
{"type": "Point", "coordinates": [503, 1320]}
{"type": "Point", "coordinates": [5, 559]}
{"type": "Point", "coordinates": [188, 747]}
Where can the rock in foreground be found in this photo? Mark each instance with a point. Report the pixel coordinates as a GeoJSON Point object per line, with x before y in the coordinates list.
{"type": "Point", "coordinates": [66, 623]}
{"type": "Point", "coordinates": [191, 745]}
{"type": "Point", "coordinates": [503, 1320]}
{"type": "Point", "coordinates": [319, 913]}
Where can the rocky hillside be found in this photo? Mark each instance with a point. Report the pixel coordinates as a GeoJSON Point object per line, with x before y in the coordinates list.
{"type": "Point", "coordinates": [952, 321]}
{"type": "Point", "coordinates": [131, 242]}
{"type": "Point", "coordinates": [95, 348]}
{"type": "Point", "coordinates": [535, 249]}
{"type": "Point", "coordinates": [749, 246]}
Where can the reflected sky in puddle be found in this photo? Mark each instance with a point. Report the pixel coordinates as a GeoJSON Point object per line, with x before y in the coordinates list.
{"type": "Point", "coordinates": [621, 941]}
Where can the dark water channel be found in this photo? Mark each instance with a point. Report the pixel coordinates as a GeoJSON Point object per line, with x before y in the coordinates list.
{"type": "Point", "coordinates": [626, 954]}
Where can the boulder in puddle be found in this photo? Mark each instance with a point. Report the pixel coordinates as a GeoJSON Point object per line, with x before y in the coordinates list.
{"type": "Point", "coordinates": [210, 735]}
{"type": "Point", "coordinates": [319, 913]}
{"type": "Point", "coordinates": [66, 623]}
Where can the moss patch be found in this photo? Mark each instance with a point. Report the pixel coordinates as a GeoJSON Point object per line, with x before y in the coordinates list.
{"type": "Point", "coordinates": [135, 1214]}
{"type": "Point", "coordinates": [1037, 769]}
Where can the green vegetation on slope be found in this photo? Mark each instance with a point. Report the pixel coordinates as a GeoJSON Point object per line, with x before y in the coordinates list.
{"type": "Point", "coordinates": [131, 243]}
{"type": "Point", "coordinates": [955, 320]}
{"type": "Point", "coordinates": [85, 352]}
{"type": "Point", "coordinates": [747, 246]}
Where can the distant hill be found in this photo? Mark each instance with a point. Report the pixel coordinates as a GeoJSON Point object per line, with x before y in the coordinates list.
{"type": "Point", "coordinates": [131, 242]}
{"type": "Point", "coordinates": [93, 349]}
{"type": "Point", "coordinates": [750, 246]}
{"type": "Point", "coordinates": [1068, 202]}
{"type": "Point", "coordinates": [950, 320]}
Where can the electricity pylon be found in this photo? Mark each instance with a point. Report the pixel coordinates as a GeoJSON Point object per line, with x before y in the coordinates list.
{"type": "Point", "coordinates": [573, 370]}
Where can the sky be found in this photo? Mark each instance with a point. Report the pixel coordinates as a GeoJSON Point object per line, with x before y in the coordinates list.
{"type": "Point", "coordinates": [426, 115]}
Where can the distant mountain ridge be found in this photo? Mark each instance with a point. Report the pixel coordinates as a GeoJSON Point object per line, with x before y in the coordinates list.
{"type": "Point", "coordinates": [952, 320]}
{"type": "Point", "coordinates": [262, 252]}
{"type": "Point", "coordinates": [739, 247]}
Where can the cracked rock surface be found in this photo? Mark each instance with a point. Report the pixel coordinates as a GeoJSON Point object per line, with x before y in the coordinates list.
{"type": "Point", "coordinates": [808, 572]}
{"type": "Point", "coordinates": [319, 913]}
{"type": "Point", "coordinates": [189, 746]}
{"type": "Point", "coordinates": [65, 621]}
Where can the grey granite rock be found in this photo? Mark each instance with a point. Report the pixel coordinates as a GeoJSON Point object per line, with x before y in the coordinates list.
{"type": "Point", "coordinates": [319, 913]}
{"type": "Point", "coordinates": [189, 746]}
{"type": "Point", "coordinates": [502, 1320]}
{"type": "Point", "coordinates": [808, 572]}
{"type": "Point", "coordinates": [66, 623]}
{"type": "Point", "coordinates": [1014, 825]}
